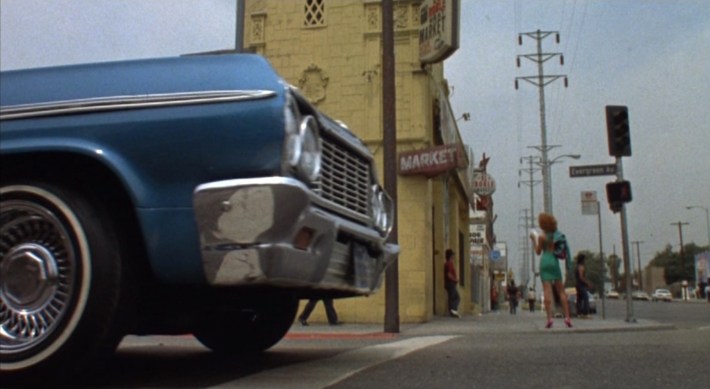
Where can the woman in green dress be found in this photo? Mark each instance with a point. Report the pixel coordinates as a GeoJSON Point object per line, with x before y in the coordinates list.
{"type": "Point", "coordinates": [550, 243]}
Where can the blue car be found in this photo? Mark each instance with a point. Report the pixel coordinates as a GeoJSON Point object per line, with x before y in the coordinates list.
{"type": "Point", "coordinates": [197, 194]}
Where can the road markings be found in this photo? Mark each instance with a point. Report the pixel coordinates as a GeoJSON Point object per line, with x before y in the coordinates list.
{"type": "Point", "coordinates": [323, 373]}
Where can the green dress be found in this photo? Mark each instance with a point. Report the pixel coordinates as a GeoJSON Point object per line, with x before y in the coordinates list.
{"type": "Point", "coordinates": [549, 268]}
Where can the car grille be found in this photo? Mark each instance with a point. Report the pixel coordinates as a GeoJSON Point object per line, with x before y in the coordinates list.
{"type": "Point", "coordinates": [345, 178]}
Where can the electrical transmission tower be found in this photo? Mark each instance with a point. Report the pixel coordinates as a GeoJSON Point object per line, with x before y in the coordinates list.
{"type": "Point", "coordinates": [529, 220]}
{"type": "Point", "coordinates": [541, 81]}
{"type": "Point", "coordinates": [524, 248]}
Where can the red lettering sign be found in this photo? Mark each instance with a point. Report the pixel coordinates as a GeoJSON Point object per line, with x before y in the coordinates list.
{"type": "Point", "coordinates": [430, 162]}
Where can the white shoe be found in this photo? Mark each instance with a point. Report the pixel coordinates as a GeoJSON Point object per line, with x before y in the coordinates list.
{"type": "Point", "coordinates": [454, 313]}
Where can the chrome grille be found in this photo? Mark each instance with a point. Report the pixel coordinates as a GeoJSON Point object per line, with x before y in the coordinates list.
{"type": "Point", "coordinates": [345, 178]}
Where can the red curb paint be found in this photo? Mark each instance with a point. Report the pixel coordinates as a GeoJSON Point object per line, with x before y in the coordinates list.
{"type": "Point", "coordinates": [338, 335]}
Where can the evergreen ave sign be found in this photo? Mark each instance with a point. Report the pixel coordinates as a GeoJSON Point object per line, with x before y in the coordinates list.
{"type": "Point", "coordinates": [592, 170]}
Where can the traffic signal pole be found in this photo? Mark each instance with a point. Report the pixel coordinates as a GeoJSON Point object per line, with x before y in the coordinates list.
{"type": "Point", "coordinates": [625, 247]}
{"type": "Point", "coordinates": [619, 192]}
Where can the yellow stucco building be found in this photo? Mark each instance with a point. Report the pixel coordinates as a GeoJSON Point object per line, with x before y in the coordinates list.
{"type": "Point", "coordinates": [332, 51]}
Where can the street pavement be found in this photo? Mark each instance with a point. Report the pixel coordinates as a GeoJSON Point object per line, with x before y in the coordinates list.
{"type": "Point", "coordinates": [322, 356]}
{"type": "Point", "coordinates": [497, 321]}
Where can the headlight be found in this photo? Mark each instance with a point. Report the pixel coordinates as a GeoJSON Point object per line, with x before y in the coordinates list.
{"type": "Point", "coordinates": [309, 163]}
{"type": "Point", "coordinates": [292, 146]}
{"type": "Point", "coordinates": [382, 210]}
{"type": "Point", "coordinates": [302, 151]}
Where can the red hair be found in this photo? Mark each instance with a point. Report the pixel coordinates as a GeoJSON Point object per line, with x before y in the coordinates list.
{"type": "Point", "coordinates": [547, 222]}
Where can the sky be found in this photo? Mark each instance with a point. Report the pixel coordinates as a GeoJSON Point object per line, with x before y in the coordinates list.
{"type": "Point", "coordinates": [650, 55]}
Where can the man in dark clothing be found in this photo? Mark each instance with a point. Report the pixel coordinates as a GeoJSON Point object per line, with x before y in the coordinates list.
{"type": "Point", "coordinates": [329, 312]}
{"type": "Point", "coordinates": [513, 297]}
{"type": "Point", "coordinates": [582, 285]}
{"type": "Point", "coordinates": [451, 279]}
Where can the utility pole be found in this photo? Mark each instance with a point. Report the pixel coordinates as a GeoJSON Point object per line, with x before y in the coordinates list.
{"type": "Point", "coordinates": [541, 81]}
{"type": "Point", "coordinates": [531, 183]}
{"type": "Point", "coordinates": [524, 266]}
{"type": "Point", "coordinates": [682, 253]}
{"type": "Point", "coordinates": [389, 141]}
{"type": "Point", "coordinates": [638, 261]}
{"type": "Point", "coordinates": [239, 28]}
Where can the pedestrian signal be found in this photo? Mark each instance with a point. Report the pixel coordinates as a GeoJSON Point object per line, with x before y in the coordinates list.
{"type": "Point", "coordinates": [618, 193]}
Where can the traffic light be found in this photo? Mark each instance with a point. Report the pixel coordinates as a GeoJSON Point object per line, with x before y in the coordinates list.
{"type": "Point", "coordinates": [617, 129]}
{"type": "Point", "coordinates": [617, 194]}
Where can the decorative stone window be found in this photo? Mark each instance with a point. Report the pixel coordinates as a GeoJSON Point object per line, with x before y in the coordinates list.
{"type": "Point", "coordinates": [314, 12]}
{"type": "Point", "coordinates": [258, 29]}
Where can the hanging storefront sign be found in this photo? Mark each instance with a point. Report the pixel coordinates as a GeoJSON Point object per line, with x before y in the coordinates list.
{"type": "Point", "coordinates": [438, 29]}
{"type": "Point", "coordinates": [431, 161]}
{"type": "Point", "coordinates": [483, 184]}
{"type": "Point", "coordinates": [499, 256]}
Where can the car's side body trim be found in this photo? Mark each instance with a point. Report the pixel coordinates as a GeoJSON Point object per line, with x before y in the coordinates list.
{"type": "Point", "coordinates": [114, 103]}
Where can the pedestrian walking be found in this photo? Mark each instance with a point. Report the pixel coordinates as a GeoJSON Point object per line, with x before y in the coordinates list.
{"type": "Point", "coordinates": [531, 299]}
{"type": "Point", "coordinates": [582, 285]}
{"type": "Point", "coordinates": [494, 298]}
{"type": "Point", "coordinates": [451, 281]}
{"type": "Point", "coordinates": [552, 246]}
{"type": "Point", "coordinates": [513, 297]}
{"type": "Point", "coordinates": [329, 312]}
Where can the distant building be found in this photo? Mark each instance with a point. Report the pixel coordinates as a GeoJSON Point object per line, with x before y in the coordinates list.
{"type": "Point", "coordinates": [653, 278]}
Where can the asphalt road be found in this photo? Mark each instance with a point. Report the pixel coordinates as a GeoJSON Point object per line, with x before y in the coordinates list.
{"type": "Point", "coordinates": [682, 315]}
{"type": "Point", "coordinates": [648, 359]}
{"type": "Point", "coordinates": [495, 350]}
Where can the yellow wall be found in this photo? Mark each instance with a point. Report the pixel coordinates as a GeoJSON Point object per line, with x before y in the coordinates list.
{"type": "Point", "coordinates": [337, 66]}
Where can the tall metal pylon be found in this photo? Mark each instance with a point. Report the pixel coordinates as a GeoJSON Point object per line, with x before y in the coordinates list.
{"type": "Point", "coordinates": [524, 247]}
{"type": "Point", "coordinates": [541, 81]}
{"type": "Point", "coordinates": [529, 255]}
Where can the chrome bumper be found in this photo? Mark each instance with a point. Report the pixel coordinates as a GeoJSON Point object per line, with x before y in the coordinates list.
{"type": "Point", "coordinates": [267, 231]}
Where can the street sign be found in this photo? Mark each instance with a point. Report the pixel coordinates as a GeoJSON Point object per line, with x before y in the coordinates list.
{"type": "Point", "coordinates": [592, 170]}
{"type": "Point", "coordinates": [590, 205]}
{"type": "Point", "coordinates": [589, 195]}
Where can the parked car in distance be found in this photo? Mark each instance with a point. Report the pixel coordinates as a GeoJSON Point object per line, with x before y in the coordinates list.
{"type": "Point", "coordinates": [640, 295]}
{"type": "Point", "coordinates": [197, 195]}
{"type": "Point", "coordinates": [662, 295]}
{"type": "Point", "coordinates": [612, 294]}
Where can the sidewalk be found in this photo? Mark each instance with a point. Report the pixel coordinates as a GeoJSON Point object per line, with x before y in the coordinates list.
{"type": "Point", "coordinates": [493, 322]}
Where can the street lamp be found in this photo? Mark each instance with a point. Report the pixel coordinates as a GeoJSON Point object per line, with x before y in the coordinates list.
{"type": "Point", "coordinates": [547, 182]}
{"type": "Point", "coordinates": [707, 218]}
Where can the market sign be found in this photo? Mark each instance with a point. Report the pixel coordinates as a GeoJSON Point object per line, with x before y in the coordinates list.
{"type": "Point", "coordinates": [438, 29]}
{"type": "Point", "coordinates": [431, 161]}
{"type": "Point", "coordinates": [483, 184]}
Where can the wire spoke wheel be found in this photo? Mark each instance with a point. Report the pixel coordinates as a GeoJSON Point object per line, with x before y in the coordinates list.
{"type": "Point", "coordinates": [38, 270]}
{"type": "Point", "coordinates": [60, 278]}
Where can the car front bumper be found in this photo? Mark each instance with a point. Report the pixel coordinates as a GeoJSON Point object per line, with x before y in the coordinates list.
{"type": "Point", "coordinates": [267, 231]}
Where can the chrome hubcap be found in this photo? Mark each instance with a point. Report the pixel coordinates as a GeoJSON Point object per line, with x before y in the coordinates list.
{"type": "Point", "coordinates": [37, 269]}
{"type": "Point", "coordinates": [29, 277]}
